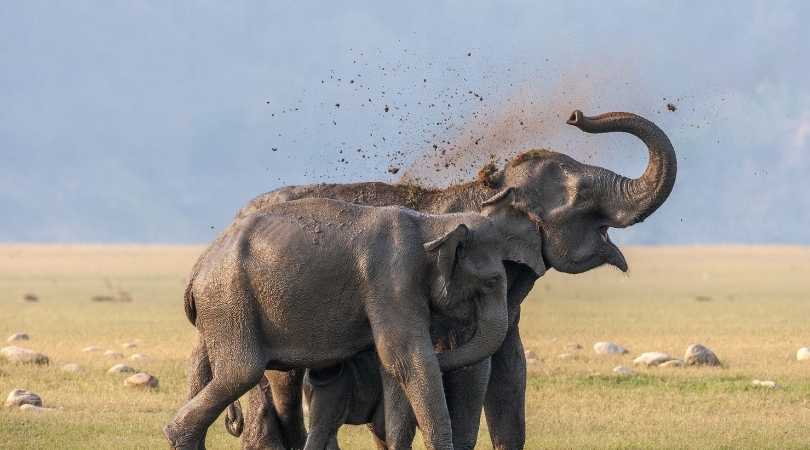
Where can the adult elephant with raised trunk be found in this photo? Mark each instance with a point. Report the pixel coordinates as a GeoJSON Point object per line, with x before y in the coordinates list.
{"type": "Point", "coordinates": [574, 204]}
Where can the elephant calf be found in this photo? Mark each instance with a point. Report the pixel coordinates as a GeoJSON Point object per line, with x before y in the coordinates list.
{"type": "Point", "coordinates": [310, 283]}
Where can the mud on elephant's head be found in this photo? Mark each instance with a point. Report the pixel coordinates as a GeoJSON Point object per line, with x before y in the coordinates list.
{"type": "Point", "coordinates": [576, 203]}
{"type": "Point", "coordinates": [468, 285]}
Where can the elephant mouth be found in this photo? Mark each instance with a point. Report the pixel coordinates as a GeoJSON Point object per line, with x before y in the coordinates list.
{"type": "Point", "coordinates": [615, 256]}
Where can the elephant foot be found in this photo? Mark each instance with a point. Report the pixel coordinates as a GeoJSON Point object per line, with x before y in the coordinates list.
{"type": "Point", "coordinates": [182, 440]}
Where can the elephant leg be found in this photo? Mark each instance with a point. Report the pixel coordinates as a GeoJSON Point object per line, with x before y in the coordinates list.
{"type": "Point", "coordinates": [465, 390]}
{"type": "Point", "coordinates": [237, 363]}
{"type": "Point", "coordinates": [377, 426]}
{"type": "Point", "coordinates": [505, 404]}
{"type": "Point", "coordinates": [286, 394]}
{"type": "Point", "coordinates": [399, 425]}
{"type": "Point", "coordinates": [328, 408]}
{"type": "Point", "coordinates": [262, 428]}
{"type": "Point", "coordinates": [199, 375]}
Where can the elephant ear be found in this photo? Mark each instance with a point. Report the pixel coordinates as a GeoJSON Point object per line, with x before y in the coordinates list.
{"type": "Point", "coordinates": [523, 241]}
{"type": "Point", "coordinates": [446, 250]}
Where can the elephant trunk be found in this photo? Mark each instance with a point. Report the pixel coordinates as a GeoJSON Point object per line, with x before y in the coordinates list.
{"type": "Point", "coordinates": [493, 322]}
{"type": "Point", "coordinates": [628, 201]}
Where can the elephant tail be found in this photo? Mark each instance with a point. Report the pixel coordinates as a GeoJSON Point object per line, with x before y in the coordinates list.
{"type": "Point", "coordinates": [234, 420]}
{"type": "Point", "coordinates": [188, 303]}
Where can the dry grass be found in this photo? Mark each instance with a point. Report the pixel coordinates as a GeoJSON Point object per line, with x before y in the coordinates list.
{"type": "Point", "coordinates": [748, 304]}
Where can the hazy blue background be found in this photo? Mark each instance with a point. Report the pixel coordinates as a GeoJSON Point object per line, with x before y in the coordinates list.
{"type": "Point", "coordinates": [124, 121]}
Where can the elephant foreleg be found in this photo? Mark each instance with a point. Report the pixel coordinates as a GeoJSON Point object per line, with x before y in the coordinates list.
{"type": "Point", "coordinates": [399, 422]}
{"type": "Point", "coordinates": [505, 404]}
{"type": "Point", "coordinates": [465, 390]}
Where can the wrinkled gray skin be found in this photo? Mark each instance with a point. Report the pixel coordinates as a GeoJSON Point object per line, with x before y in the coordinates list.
{"type": "Point", "coordinates": [356, 392]}
{"type": "Point", "coordinates": [574, 203]}
{"type": "Point", "coordinates": [312, 282]}
{"type": "Point", "coordinates": [350, 393]}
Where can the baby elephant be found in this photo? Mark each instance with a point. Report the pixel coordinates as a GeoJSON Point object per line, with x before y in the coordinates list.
{"type": "Point", "coordinates": [310, 283]}
{"type": "Point", "coordinates": [349, 393]}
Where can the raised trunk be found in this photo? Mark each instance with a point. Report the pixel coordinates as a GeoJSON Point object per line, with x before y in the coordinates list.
{"type": "Point", "coordinates": [493, 322]}
{"type": "Point", "coordinates": [628, 201]}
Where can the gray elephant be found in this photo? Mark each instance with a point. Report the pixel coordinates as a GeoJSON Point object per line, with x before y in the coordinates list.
{"type": "Point", "coordinates": [310, 283]}
{"type": "Point", "coordinates": [355, 392]}
{"type": "Point", "coordinates": [574, 203]}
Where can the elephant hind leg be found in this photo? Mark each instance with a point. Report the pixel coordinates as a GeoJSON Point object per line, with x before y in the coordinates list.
{"type": "Point", "coordinates": [236, 362]}
{"type": "Point", "coordinates": [285, 387]}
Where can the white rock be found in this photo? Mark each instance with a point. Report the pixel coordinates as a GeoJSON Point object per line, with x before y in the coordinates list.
{"type": "Point", "coordinates": [128, 345]}
{"type": "Point", "coordinates": [71, 367]}
{"type": "Point", "coordinates": [566, 356]}
{"type": "Point", "coordinates": [673, 363]}
{"type": "Point", "coordinates": [699, 355]}
{"type": "Point", "coordinates": [765, 383]}
{"type": "Point", "coordinates": [622, 370]}
{"type": "Point", "coordinates": [19, 397]}
{"type": "Point", "coordinates": [113, 354]}
{"type": "Point", "coordinates": [36, 409]}
{"type": "Point", "coordinates": [121, 368]}
{"type": "Point", "coordinates": [138, 357]}
{"type": "Point", "coordinates": [608, 348]}
{"type": "Point", "coordinates": [530, 354]}
{"type": "Point", "coordinates": [141, 380]}
{"type": "Point", "coordinates": [18, 337]}
{"type": "Point", "coordinates": [652, 358]}
{"type": "Point", "coordinates": [21, 355]}
{"type": "Point", "coordinates": [91, 349]}
{"type": "Point", "coordinates": [803, 354]}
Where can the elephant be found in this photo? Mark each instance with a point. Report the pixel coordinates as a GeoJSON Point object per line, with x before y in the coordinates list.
{"type": "Point", "coordinates": [575, 205]}
{"type": "Point", "coordinates": [309, 283]}
{"type": "Point", "coordinates": [354, 392]}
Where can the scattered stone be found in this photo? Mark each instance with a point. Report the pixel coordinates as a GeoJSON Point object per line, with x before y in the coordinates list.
{"type": "Point", "coordinates": [21, 355]}
{"type": "Point", "coordinates": [609, 348]}
{"type": "Point", "coordinates": [393, 170]}
{"type": "Point", "coordinates": [121, 368]}
{"type": "Point", "coordinates": [803, 354]}
{"type": "Point", "coordinates": [622, 370]}
{"type": "Point", "coordinates": [531, 355]}
{"type": "Point", "coordinates": [19, 397]}
{"type": "Point", "coordinates": [138, 357]}
{"type": "Point", "coordinates": [652, 358]}
{"type": "Point", "coordinates": [129, 345]}
{"type": "Point", "coordinates": [673, 363]}
{"type": "Point", "coordinates": [113, 354]}
{"type": "Point", "coordinates": [765, 383]}
{"type": "Point", "coordinates": [18, 337]}
{"type": "Point", "coordinates": [71, 367]}
{"type": "Point", "coordinates": [573, 346]}
{"type": "Point", "coordinates": [31, 298]}
{"type": "Point", "coordinates": [141, 380]}
{"type": "Point", "coordinates": [566, 356]}
{"type": "Point", "coordinates": [703, 298]}
{"type": "Point", "coordinates": [122, 297]}
{"type": "Point", "coordinates": [91, 349]}
{"type": "Point", "coordinates": [36, 409]}
{"type": "Point", "coordinates": [698, 355]}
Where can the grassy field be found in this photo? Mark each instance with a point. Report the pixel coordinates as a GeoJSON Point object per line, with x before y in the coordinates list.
{"type": "Point", "coordinates": [750, 305]}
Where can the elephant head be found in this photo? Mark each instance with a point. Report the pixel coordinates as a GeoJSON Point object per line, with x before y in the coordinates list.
{"type": "Point", "coordinates": [469, 282]}
{"type": "Point", "coordinates": [576, 203]}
